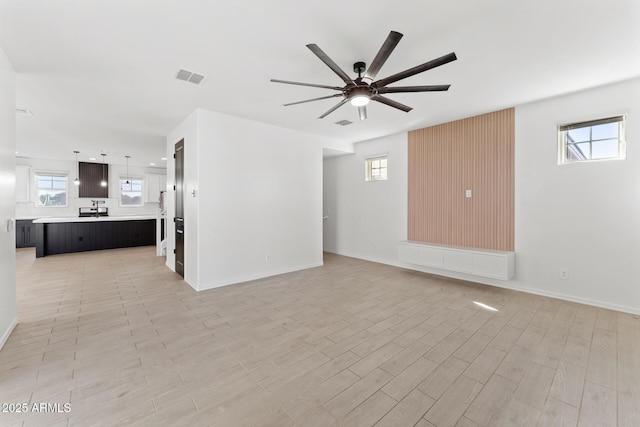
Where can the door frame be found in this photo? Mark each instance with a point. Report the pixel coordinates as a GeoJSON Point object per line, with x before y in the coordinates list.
{"type": "Point", "coordinates": [178, 218]}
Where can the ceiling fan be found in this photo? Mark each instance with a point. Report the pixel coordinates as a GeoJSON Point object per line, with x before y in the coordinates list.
{"type": "Point", "coordinates": [365, 88]}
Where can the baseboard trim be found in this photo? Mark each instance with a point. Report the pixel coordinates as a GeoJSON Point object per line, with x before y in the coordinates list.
{"type": "Point", "coordinates": [579, 300]}
{"type": "Point", "coordinates": [7, 333]}
{"type": "Point", "coordinates": [499, 284]}
{"type": "Point", "coordinates": [249, 278]}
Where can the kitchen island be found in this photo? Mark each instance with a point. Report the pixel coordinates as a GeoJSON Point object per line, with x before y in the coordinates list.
{"type": "Point", "coordinates": [79, 234]}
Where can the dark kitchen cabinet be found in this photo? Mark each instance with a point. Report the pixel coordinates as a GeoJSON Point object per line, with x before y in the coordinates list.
{"type": "Point", "coordinates": [67, 237]}
{"type": "Point", "coordinates": [91, 175]}
{"type": "Point", "coordinates": [25, 233]}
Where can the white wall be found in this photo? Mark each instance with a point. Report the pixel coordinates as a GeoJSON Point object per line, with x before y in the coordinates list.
{"type": "Point", "coordinates": [365, 219]}
{"type": "Point", "coordinates": [584, 217]}
{"type": "Point", "coordinates": [8, 313]}
{"type": "Point", "coordinates": [187, 130]}
{"type": "Point", "coordinates": [29, 210]}
{"type": "Point", "coordinates": [258, 196]}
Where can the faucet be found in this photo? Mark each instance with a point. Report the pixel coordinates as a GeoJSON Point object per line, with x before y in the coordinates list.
{"type": "Point", "coordinates": [96, 207]}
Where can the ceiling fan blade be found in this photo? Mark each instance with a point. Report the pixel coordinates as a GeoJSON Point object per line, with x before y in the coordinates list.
{"type": "Point", "coordinates": [392, 103]}
{"type": "Point", "coordinates": [314, 99]}
{"type": "Point", "coordinates": [305, 84]}
{"type": "Point", "coordinates": [416, 70]}
{"type": "Point", "coordinates": [381, 57]}
{"type": "Point", "coordinates": [334, 108]}
{"type": "Point", "coordinates": [362, 110]}
{"type": "Point", "coordinates": [400, 89]}
{"type": "Point", "coordinates": [329, 62]}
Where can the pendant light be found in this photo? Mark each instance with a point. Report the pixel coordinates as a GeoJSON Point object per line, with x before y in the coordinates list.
{"type": "Point", "coordinates": [103, 183]}
{"type": "Point", "coordinates": [127, 182]}
{"type": "Point", "coordinates": [77, 181]}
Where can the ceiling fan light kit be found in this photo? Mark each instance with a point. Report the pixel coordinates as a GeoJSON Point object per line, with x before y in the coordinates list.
{"type": "Point", "coordinates": [365, 88]}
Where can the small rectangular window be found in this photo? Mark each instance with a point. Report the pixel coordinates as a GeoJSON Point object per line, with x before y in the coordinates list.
{"type": "Point", "coordinates": [51, 189]}
{"type": "Point", "coordinates": [602, 139]}
{"type": "Point", "coordinates": [131, 192]}
{"type": "Point", "coordinates": [376, 168]}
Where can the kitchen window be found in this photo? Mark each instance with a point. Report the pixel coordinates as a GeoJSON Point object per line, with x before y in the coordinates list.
{"type": "Point", "coordinates": [131, 192]}
{"type": "Point", "coordinates": [376, 168]}
{"type": "Point", "coordinates": [51, 189]}
{"type": "Point", "coordinates": [601, 139]}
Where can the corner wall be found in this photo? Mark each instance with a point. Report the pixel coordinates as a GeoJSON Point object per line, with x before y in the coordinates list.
{"type": "Point", "coordinates": [8, 312]}
{"type": "Point", "coordinates": [260, 200]}
{"type": "Point", "coordinates": [187, 130]}
{"type": "Point", "coordinates": [257, 209]}
{"type": "Point", "coordinates": [583, 217]}
{"type": "Point", "coordinates": [365, 219]}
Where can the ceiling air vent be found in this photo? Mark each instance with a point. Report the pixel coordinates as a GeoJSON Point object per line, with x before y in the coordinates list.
{"type": "Point", "coordinates": [188, 76]}
{"type": "Point", "coordinates": [344, 122]}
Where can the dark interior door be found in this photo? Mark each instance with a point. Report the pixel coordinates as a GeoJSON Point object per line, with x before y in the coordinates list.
{"type": "Point", "coordinates": [179, 219]}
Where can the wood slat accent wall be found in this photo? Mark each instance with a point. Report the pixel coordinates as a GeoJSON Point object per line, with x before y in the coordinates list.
{"type": "Point", "coordinates": [474, 154]}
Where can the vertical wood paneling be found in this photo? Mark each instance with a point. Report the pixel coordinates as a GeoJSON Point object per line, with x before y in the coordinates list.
{"type": "Point", "coordinates": [90, 175]}
{"type": "Point", "coordinates": [474, 154]}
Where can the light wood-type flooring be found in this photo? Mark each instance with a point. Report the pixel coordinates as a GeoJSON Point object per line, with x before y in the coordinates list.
{"type": "Point", "coordinates": [124, 341]}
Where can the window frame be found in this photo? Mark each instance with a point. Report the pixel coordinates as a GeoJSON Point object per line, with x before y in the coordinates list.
{"type": "Point", "coordinates": [368, 167]}
{"type": "Point", "coordinates": [142, 187]}
{"type": "Point", "coordinates": [36, 187]}
{"type": "Point", "coordinates": [563, 145]}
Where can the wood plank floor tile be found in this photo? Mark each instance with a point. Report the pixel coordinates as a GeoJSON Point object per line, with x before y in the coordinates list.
{"type": "Point", "coordinates": [369, 412]}
{"type": "Point", "coordinates": [471, 348]}
{"type": "Point", "coordinates": [518, 414]}
{"type": "Point", "coordinates": [454, 402]}
{"type": "Point", "coordinates": [485, 364]}
{"type": "Point", "coordinates": [576, 351]}
{"type": "Point", "coordinates": [568, 384]}
{"type": "Point", "coordinates": [505, 339]}
{"type": "Point", "coordinates": [445, 348]}
{"type": "Point", "coordinates": [556, 413]}
{"type": "Point", "coordinates": [492, 401]}
{"type": "Point", "coordinates": [442, 377]}
{"type": "Point", "coordinates": [598, 406]}
{"type": "Point", "coordinates": [408, 411]}
{"type": "Point", "coordinates": [302, 404]}
{"type": "Point", "coordinates": [349, 399]}
{"type": "Point", "coordinates": [407, 380]}
{"type": "Point", "coordinates": [375, 359]}
{"type": "Point", "coordinates": [602, 369]}
{"type": "Point", "coordinates": [404, 358]}
{"type": "Point", "coordinates": [127, 342]}
{"type": "Point", "coordinates": [534, 386]}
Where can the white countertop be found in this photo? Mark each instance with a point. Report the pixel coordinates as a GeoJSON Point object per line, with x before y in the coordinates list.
{"type": "Point", "coordinates": [96, 219]}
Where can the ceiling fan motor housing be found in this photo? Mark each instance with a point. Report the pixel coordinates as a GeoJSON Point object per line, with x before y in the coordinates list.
{"type": "Point", "coordinates": [361, 90]}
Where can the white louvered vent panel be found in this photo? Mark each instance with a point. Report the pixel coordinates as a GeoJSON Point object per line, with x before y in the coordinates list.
{"type": "Point", "coordinates": [184, 75]}
{"type": "Point", "coordinates": [196, 78]}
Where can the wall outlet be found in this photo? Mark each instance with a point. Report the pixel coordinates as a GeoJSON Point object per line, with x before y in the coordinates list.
{"type": "Point", "coordinates": [267, 257]}
{"type": "Point", "coordinates": [467, 194]}
{"type": "Point", "coordinates": [564, 273]}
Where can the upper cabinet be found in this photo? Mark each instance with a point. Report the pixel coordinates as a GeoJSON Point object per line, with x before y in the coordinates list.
{"type": "Point", "coordinates": [155, 183]}
{"type": "Point", "coordinates": [91, 176]}
{"type": "Point", "coordinates": [22, 183]}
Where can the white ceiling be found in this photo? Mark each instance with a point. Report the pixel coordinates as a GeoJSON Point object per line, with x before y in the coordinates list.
{"type": "Point", "coordinates": [99, 74]}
